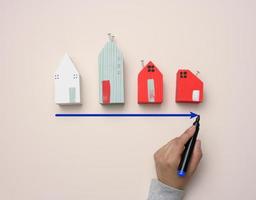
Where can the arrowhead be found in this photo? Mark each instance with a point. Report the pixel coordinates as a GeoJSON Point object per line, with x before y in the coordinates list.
{"type": "Point", "coordinates": [192, 115]}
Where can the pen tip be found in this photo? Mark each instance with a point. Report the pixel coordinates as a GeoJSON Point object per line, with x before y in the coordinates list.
{"type": "Point", "coordinates": [197, 120]}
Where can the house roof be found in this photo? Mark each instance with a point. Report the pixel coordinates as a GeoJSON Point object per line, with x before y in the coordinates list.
{"type": "Point", "coordinates": [110, 46]}
{"type": "Point", "coordinates": [146, 70]}
{"type": "Point", "coordinates": [66, 66]}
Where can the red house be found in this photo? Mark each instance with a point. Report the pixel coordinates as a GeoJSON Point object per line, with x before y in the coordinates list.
{"type": "Point", "coordinates": [189, 88]}
{"type": "Point", "coordinates": [150, 85]}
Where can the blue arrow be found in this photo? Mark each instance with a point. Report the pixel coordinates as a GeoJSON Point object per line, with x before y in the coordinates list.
{"type": "Point", "coordinates": [191, 115]}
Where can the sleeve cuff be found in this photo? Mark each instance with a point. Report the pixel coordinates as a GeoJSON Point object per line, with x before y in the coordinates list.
{"type": "Point", "coordinates": [161, 191]}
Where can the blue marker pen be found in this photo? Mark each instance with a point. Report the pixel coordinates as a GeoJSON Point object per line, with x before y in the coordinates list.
{"type": "Point", "coordinates": [189, 147]}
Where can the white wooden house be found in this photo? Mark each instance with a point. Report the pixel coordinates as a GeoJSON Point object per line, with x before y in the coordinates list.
{"type": "Point", "coordinates": [67, 83]}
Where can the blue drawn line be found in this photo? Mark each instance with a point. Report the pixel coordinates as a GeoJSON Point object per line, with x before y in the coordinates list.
{"type": "Point", "coordinates": [191, 115]}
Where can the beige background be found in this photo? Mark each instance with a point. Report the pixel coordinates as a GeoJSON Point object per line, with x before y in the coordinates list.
{"type": "Point", "coordinates": [45, 158]}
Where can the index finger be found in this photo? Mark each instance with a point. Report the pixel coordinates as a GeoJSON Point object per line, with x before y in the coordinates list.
{"type": "Point", "coordinates": [187, 134]}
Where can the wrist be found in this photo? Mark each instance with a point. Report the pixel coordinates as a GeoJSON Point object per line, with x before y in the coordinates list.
{"type": "Point", "coordinates": [177, 183]}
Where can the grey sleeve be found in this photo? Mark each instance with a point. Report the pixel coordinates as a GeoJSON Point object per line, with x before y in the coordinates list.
{"type": "Point", "coordinates": [160, 191]}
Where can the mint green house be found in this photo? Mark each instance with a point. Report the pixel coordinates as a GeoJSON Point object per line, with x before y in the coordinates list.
{"type": "Point", "coordinates": [111, 74]}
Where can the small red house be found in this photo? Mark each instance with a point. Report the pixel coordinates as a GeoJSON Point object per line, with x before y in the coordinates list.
{"type": "Point", "coordinates": [150, 85]}
{"type": "Point", "coordinates": [189, 88]}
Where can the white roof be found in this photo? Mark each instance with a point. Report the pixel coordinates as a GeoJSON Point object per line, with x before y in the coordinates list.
{"type": "Point", "coordinates": [66, 66]}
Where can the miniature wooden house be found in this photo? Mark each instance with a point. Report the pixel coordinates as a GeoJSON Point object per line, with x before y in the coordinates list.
{"type": "Point", "coordinates": [189, 88]}
{"type": "Point", "coordinates": [150, 85]}
{"type": "Point", "coordinates": [111, 80]}
{"type": "Point", "coordinates": [67, 83]}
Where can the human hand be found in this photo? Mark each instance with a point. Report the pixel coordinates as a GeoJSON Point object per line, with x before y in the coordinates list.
{"type": "Point", "coordinates": [168, 157]}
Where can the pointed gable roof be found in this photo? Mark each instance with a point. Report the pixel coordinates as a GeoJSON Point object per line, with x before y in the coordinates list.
{"type": "Point", "coordinates": [146, 70]}
{"type": "Point", "coordinates": [66, 66]}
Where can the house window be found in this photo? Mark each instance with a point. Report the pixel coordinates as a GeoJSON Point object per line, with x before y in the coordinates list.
{"type": "Point", "coordinates": [75, 76]}
{"type": "Point", "coordinates": [56, 76]}
{"type": "Point", "coordinates": [151, 68]}
{"type": "Point", "coordinates": [183, 74]}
